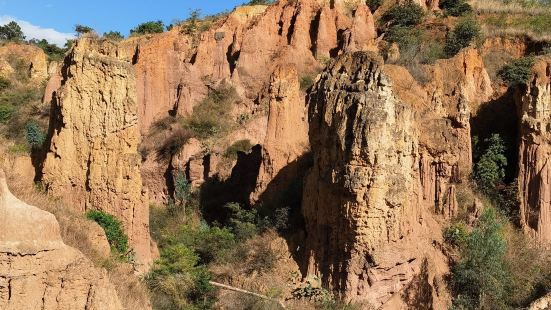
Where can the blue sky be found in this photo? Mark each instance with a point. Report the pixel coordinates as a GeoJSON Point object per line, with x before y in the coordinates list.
{"type": "Point", "coordinates": [55, 19]}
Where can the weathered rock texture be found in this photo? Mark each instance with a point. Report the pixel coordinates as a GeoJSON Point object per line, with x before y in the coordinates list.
{"type": "Point", "coordinates": [365, 221]}
{"type": "Point", "coordinates": [24, 59]}
{"type": "Point", "coordinates": [92, 158]}
{"type": "Point", "coordinates": [534, 103]}
{"type": "Point", "coordinates": [286, 135]}
{"type": "Point", "coordinates": [37, 270]}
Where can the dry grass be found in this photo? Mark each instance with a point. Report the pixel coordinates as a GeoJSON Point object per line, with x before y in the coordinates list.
{"type": "Point", "coordinates": [497, 7]}
{"type": "Point", "coordinates": [515, 18]}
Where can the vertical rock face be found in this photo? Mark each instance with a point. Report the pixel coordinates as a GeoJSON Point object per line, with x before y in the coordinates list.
{"type": "Point", "coordinates": [534, 104]}
{"type": "Point", "coordinates": [37, 270]}
{"type": "Point", "coordinates": [286, 133]}
{"type": "Point", "coordinates": [92, 158]}
{"type": "Point", "coordinates": [360, 198]}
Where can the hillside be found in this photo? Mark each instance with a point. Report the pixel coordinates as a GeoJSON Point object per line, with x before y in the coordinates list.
{"type": "Point", "coordinates": [302, 154]}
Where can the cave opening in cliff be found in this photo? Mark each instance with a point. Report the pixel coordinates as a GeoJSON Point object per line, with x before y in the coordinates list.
{"type": "Point", "coordinates": [498, 116]}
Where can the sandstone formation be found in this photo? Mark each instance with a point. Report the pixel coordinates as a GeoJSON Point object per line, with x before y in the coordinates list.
{"type": "Point", "coordinates": [286, 134]}
{"type": "Point", "coordinates": [37, 270]}
{"type": "Point", "coordinates": [29, 59]}
{"type": "Point", "coordinates": [175, 69]}
{"type": "Point", "coordinates": [365, 220]}
{"type": "Point", "coordinates": [534, 104]}
{"type": "Point", "coordinates": [92, 158]}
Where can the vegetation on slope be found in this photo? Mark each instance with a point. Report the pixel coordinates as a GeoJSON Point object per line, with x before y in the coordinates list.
{"type": "Point", "coordinates": [498, 266]}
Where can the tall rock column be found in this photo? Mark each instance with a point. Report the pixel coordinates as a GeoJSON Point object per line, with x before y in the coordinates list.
{"type": "Point", "coordinates": [361, 199]}
{"type": "Point", "coordinates": [92, 159]}
{"type": "Point", "coordinates": [286, 135]}
{"type": "Point", "coordinates": [534, 176]}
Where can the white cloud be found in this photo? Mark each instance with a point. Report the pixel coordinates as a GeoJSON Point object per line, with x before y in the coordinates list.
{"type": "Point", "coordinates": [36, 32]}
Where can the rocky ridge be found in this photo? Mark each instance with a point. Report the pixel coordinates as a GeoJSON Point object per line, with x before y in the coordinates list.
{"type": "Point", "coordinates": [37, 270]}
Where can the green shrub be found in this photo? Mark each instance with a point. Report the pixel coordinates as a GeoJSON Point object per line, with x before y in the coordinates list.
{"type": "Point", "coordinates": [4, 83]}
{"type": "Point", "coordinates": [53, 51]}
{"type": "Point", "coordinates": [481, 276]}
{"type": "Point", "coordinates": [6, 112]}
{"type": "Point", "coordinates": [182, 188]}
{"type": "Point", "coordinates": [238, 146]}
{"type": "Point", "coordinates": [408, 14]}
{"type": "Point", "coordinates": [148, 28]}
{"type": "Point", "coordinates": [178, 281]}
{"type": "Point", "coordinates": [455, 7]}
{"type": "Point", "coordinates": [211, 243]}
{"type": "Point", "coordinates": [465, 32]}
{"type": "Point", "coordinates": [408, 39]}
{"type": "Point", "coordinates": [241, 222]}
{"type": "Point", "coordinates": [11, 31]}
{"type": "Point", "coordinates": [81, 29]}
{"type": "Point", "coordinates": [118, 240]}
{"type": "Point", "coordinates": [518, 71]}
{"type": "Point", "coordinates": [456, 234]}
{"type": "Point", "coordinates": [489, 170]}
{"type": "Point", "coordinates": [35, 134]}
{"type": "Point", "coordinates": [113, 35]}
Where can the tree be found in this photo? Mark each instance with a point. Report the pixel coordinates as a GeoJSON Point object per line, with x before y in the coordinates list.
{"type": "Point", "coordinates": [408, 14]}
{"type": "Point", "coordinates": [490, 169]}
{"type": "Point", "coordinates": [52, 50]}
{"type": "Point", "coordinates": [11, 31]}
{"type": "Point", "coordinates": [182, 189]}
{"type": "Point", "coordinates": [465, 32]}
{"type": "Point", "coordinates": [113, 35]}
{"type": "Point", "coordinates": [455, 7]}
{"type": "Point", "coordinates": [481, 276]}
{"type": "Point", "coordinates": [81, 29]}
{"type": "Point", "coordinates": [518, 71]}
{"type": "Point", "coordinates": [34, 134]}
{"type": "Point", "coordinates": [148, 28]}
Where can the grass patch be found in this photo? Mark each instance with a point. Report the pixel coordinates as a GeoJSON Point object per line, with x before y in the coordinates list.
{"type": "Point", "coordinates": [212, 116]}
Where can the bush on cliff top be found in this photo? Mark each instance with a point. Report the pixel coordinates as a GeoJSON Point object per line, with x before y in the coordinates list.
{"type": "Point", "coordinates": [455, 7]}
{"type": "Point", "coordinates": [148, 28]}
{"type": "Point", "coordinates": [518, 71]}
{"type": "Point", "coordinates": [118, 240]}
{"type": "Point", "coordinates": [408, 14]}
{"type": "Point", "coordinates": [465, 32]}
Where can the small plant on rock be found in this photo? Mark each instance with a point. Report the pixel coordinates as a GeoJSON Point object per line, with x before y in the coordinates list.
{"type": "Point", "coordinates": [118, 240]}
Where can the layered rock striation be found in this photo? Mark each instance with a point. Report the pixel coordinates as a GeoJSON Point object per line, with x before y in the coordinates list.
{"type": "Point", "coordinates": [534, 104]}
{"type": "Point", "coordinates": [362, 202]}
{"type": "Point", "coordinates": [37, 270]}
{"type": "Point", "coordinates": [92, 152]}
